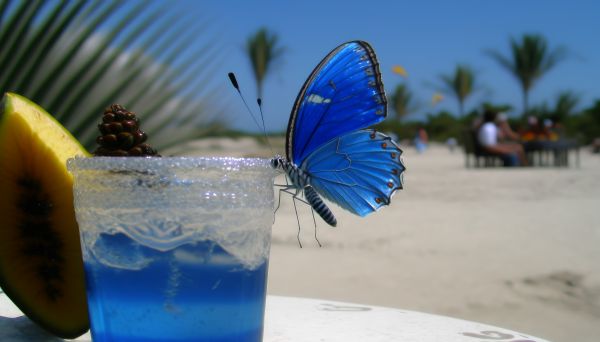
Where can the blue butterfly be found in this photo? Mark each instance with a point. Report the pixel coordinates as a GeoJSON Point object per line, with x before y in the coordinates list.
{"type": "Point", "coordinates": [328, 150]}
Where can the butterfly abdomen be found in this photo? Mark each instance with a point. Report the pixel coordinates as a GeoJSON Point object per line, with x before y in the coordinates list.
{"type": "Point", "coordinates": [317, 204]}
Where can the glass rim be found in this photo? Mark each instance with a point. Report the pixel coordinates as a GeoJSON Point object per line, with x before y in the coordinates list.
{"type": "Point", "coordinates": [80, 163]}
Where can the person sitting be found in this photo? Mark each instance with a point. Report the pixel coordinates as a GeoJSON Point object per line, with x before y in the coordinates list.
{"type": "Point", "coordinates": [492, 136]}
{"type": "Point", "coordinates": [532, 131]}
{"type": "Point", "coordinates": [596, 145]}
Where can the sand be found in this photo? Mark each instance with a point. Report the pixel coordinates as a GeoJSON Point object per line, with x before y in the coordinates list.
{"type": "Point", "coordinates": [515, 248]}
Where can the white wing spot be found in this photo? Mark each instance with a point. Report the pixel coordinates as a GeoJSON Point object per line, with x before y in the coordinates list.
{"type": "Point", "coordinates": [318, 99]}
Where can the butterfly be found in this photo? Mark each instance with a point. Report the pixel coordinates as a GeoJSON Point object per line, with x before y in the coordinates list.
{"type": "Point", "coordinates": [329, 150]}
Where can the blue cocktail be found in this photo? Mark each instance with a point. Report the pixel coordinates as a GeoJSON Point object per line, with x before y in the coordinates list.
{"type": "Point", "coordinates": [175, 249]}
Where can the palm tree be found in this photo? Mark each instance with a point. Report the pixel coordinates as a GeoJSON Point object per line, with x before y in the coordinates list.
{"type": "Point", "coordinates": [530, 59]}
{"type": "Point", "coordinates": [263, 49]}
{"type": "Point", "coordinates": [460, 84]}
{"type": "Point", "coordinates": [565, 105]}
{"type": "Point", "coordinates": [63, 56]}
{"type": "Point", "coordinates": [402, 101]}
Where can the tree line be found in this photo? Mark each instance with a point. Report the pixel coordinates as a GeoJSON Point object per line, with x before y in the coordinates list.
{"type": "Point", "coordinates": [529, 59]}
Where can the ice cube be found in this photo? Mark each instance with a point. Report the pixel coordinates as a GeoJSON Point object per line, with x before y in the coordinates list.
{"type": "Point", "coordinates": [120, 251]}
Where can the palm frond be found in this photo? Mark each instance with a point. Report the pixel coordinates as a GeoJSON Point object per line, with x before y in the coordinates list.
{"type": "Point", "coordinates": [74, 45]}
{"type": "Point", "coordinates": [566, 104]}
{"type": "Point", "coordinates": [3, 11]}
{"type": "Point", "coordinates": [554, 57]}
{"type": "Point", "coordinates": [65, 96]}
{"type": "Point", "coordinates": [461, 84]}
{"type": "Point", "coordinates": [503, 61]}
{"type": "Point", "coordinates": [21, 51]}
{"type": "Point", "coordinates": [16, 31]}
{"type": "Point", "coordinates": [108, 61]}
{"type": "Point", "coordinates": [23, 76]}
{"type": "Point", "coordinates": [402, 101]}
{"type": "Point", "coordinates": [63, 55]}
{"type": "Point", "coordinates": [530, 59]}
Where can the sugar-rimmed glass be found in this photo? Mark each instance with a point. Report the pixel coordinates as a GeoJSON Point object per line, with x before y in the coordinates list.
{"type": "Point", "coordinates": [175, 249]}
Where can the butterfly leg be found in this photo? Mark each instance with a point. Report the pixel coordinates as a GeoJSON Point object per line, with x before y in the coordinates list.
{"type": "Point", "coordinates": [315, 222]}
{"type": "Point", "coordinates": [293, 193]}
{"type": "Point", "coordinates": [279, 200]}
{"type": "Point", "coordinates": [297, 197]}
{"type": "Point", "coordinates": [287, 191]}
{"type": "Point", "coordinates": [294, 197]}
{"type": "Point", "coordinates": [285, 188]}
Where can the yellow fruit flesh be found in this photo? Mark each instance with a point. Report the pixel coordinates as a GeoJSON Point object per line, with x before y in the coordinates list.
{"type": "Point", "coordinates": [41, 268]}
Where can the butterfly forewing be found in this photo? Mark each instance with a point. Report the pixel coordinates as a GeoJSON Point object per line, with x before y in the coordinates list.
{"type": "Point", "coordinates": [343, 94]}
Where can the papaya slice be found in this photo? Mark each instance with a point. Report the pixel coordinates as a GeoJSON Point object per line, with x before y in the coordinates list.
{"type": "Point", "coordinates": [41, 267]}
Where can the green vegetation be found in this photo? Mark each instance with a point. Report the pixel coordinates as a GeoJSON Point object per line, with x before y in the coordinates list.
{"type": "Point", "coordinates": [530, 60]}
{"type": "Point", "coordinates": [460, 85]}
{"type": "Point", "coordinates": [402, 101]}
{"type": "Point", "coordinates": [64, 56]}
{"type": "Point", "coordinates": [263, 50]}
{"type": "Point", "coordinates": [583, 125]}
{"type": "Point", "coordinates": [75, 57]}
{"type": "Point", "coordinates": [586, 124]}
{"type": "Point", "coordinates": [439, 126]}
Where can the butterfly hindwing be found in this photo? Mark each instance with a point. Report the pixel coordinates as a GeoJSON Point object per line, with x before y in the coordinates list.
{"type": "Point", "coordinates": [343, 94]}
{"type": "Point", "coordinates": [359, 171]}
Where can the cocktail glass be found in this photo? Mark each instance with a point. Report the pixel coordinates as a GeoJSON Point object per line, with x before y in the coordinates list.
{"type": "Point", "coordinates": [174, 249]}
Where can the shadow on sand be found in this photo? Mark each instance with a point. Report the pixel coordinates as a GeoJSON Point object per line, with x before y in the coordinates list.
{"type": "Point", "coordinates": [23, 329]}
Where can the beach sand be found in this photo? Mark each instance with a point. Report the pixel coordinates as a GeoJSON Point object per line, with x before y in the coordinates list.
{"type": "Point", "coordinates": [515, 248]}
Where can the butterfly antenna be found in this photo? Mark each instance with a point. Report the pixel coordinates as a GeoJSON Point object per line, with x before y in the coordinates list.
{"type": "Point", "coordinates": [234, 83]}
{"type": "Point", "coordinates": [262, 118]}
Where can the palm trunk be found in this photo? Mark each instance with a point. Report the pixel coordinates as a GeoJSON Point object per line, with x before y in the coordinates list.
{"type": "Point", "coordinates": [525, 101]}
{"type": "Point", "coordinates": [259, 90]}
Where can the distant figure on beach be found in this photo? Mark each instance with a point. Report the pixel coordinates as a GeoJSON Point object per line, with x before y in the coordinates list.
{"type": "Point", "coordinates": [451, 143]}
{"type": "Point", "coordinates": [421, 140]}
{"type": "Point", "coordinates": [551, 129]}
{"type": "Point", "coordinates": [496, 136]}
{"type": "Point", "coordinates": [596, 145]}
{"type": "Point", "coordinates": [547, 129]}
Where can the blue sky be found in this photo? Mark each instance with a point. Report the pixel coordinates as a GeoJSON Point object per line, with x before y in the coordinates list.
{"type": "Point", "coordinates": [427, 38]}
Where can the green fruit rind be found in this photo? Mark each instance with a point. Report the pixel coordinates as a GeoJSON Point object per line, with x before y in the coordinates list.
{"type": "Point", "coordinates": [41, 269]}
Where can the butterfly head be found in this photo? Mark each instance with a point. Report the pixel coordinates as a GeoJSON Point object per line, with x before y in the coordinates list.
{"type": "Point", "coordinates": [277, 162]}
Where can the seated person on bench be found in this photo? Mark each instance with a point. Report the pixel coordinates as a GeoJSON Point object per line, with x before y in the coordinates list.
{"type": "Point", "coordinates": [489, 137]}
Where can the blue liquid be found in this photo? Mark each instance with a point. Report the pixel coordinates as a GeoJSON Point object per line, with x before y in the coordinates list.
{"type": "Point", "coordinates": [197, 292]}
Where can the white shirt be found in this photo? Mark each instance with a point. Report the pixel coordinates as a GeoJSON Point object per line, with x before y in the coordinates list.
{"type": "Point", "coordinates": [488, 134]}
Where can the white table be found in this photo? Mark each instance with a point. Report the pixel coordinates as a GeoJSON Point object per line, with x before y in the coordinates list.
{"type": "Point", "coordinates": [291, 319]}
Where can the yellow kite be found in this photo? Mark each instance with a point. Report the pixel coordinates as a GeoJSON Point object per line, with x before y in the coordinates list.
{"type": "Point", "coordinates": [397, 69]}
{"type": "Point", "coordinates": [436, 98]}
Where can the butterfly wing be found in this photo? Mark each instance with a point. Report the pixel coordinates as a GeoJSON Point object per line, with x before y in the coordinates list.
{"type": "Point", "coordinates": [360, 171]}
{"type": "Point", "coordinates": [343, 94]}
